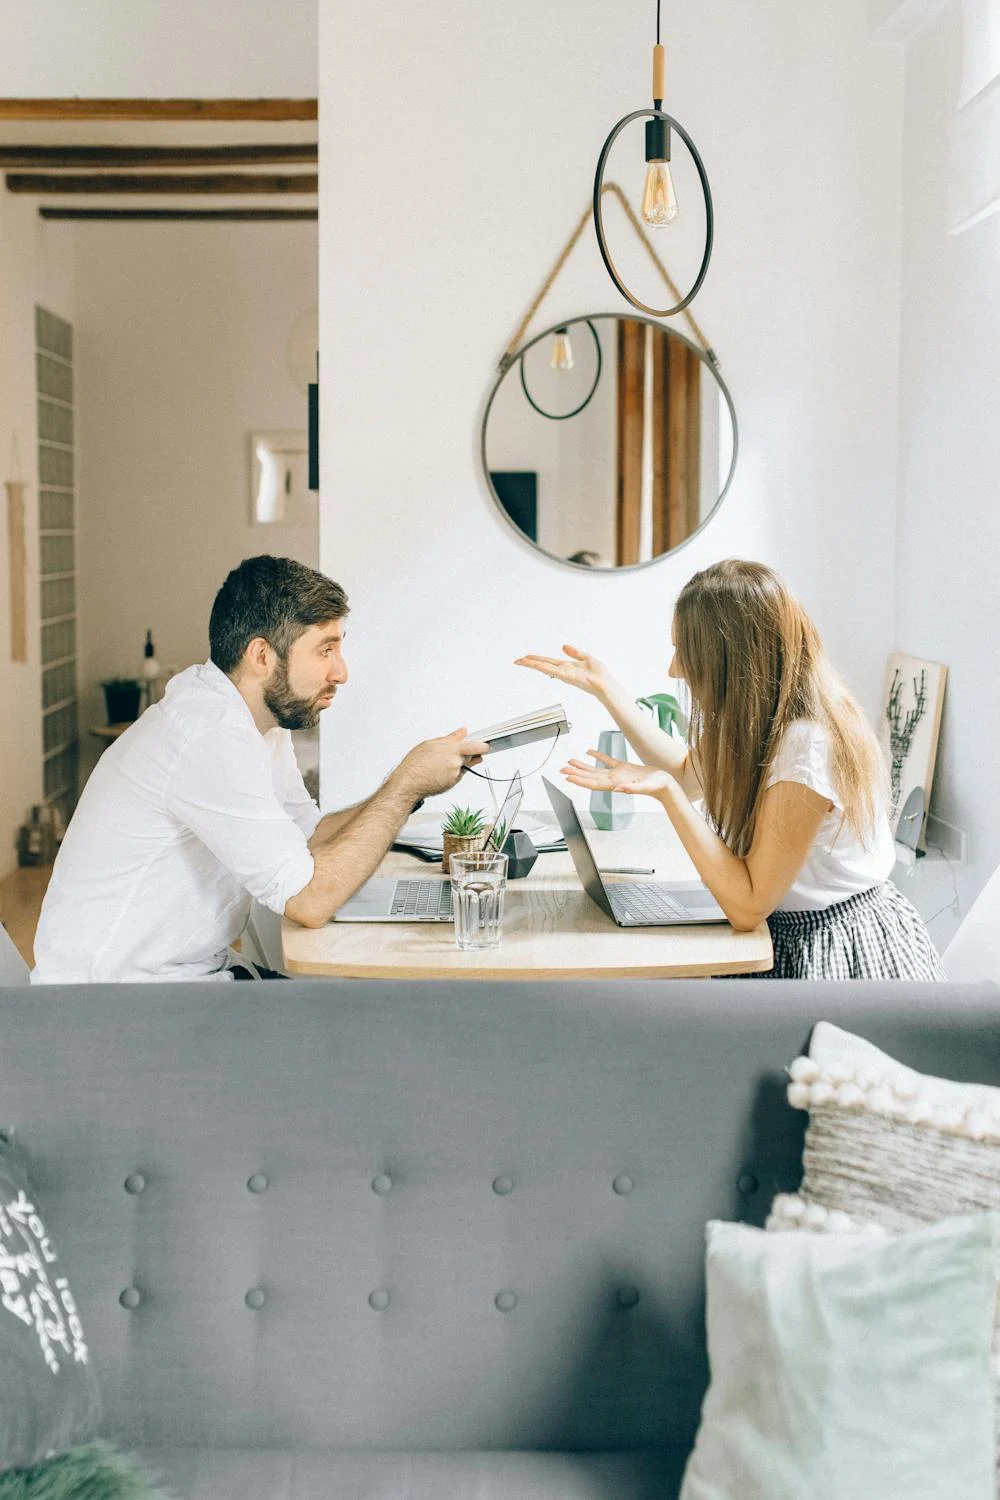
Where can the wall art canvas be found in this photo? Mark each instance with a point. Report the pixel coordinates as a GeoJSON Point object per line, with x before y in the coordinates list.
{"type": "Point", "coordinates": [910, 725]}
{"type": "Point", "coordinates": [17, 566]}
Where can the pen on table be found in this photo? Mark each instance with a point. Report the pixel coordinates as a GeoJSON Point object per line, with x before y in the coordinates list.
{"type": "Point", "coordinates": [627, 870]}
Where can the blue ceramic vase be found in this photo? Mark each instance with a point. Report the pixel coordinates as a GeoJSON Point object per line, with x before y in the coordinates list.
{"type": "Point", "coordinates": [612, 809]}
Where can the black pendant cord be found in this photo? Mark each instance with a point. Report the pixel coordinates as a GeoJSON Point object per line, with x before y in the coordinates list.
{"type": "Point", "coordinates": [657, 22]}
{"type": "Point", "coordinates": [523, 774]}
{"type": "Point", "coordinates": [565, 415]}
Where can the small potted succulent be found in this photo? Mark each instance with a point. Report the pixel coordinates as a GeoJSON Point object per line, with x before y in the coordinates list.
{"type": "Point", "coordinates": [463, 831]}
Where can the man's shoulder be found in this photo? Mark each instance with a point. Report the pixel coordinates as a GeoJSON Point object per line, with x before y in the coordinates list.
{"type": "Point", "coordinates": [198, 701]}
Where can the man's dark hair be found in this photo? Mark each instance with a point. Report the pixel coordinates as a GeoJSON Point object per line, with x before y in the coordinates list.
{"type": "Point", "coordinates": [273, 597]}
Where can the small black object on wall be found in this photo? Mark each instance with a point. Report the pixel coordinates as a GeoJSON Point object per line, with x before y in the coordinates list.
{"type": "Point", "coordinates": [314, 430]}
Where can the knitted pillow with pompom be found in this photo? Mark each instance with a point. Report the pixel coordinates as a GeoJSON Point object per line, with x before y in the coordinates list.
{"type": "Point", "coordinates": [887, 1148]}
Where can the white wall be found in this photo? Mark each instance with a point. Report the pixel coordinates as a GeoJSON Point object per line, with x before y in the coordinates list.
{"type": "Point", "coordinates": [182, 331]}
{"type": "Point", "coordinates": [158, 48]}
{"type": "Point", "coordinates": [949, 516]}
{"type": "Point", "coordinates": [429, 256]}
{"type": "Point", "coordinates": [35, 267]}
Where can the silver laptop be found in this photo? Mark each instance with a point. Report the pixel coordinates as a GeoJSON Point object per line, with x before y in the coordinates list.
{"type": "Point", "coordinates": [631, 903]}
{"type": "Point", "coordinates": [383, 899]}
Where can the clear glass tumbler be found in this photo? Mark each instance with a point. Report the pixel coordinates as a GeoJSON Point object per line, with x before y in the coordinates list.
{"type": "Point", "coordinates": [478, 883]}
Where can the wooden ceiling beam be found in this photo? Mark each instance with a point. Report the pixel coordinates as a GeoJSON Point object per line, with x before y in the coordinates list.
{"type": "Point", "coordinates": [232, 183]}
{"type": "Point", "coordinates": [190, 215]}
{"type": "Point", "coordinates": [26, 158]}
{"type": "Point", "coordinates": [158, 109]}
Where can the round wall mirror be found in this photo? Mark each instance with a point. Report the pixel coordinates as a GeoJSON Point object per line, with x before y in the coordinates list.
{"type": "Point", "coordinates": [608, 441]}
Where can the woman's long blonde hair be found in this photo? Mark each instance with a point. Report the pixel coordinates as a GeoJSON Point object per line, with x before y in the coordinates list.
{"type": "Point", "coordinates": [754, 663]}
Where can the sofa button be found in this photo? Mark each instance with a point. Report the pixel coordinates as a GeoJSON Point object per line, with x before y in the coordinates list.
{"type": "Point", "coordinates": [502, 1186]}
{"type": "Point", "coordinates": [255, 1298]}
{"type": "Point", "coordinates": [747, 1185]}
{"type": "Point", "coordinates": [258, 1183]}
{"type": "Point", "coordinates": [130, 1298]}
{"type": "Point", "coordinates": [379, 1301]}
{"type": "Point", "coordinates": [628, 1296]}
{"type": "Point", "coordinates": [382, 1184]}
{"type": "Point", "coordinates": [505, 1302]}
{"type": "Point", "coordinates": [622, 1186]}
{"type": "Point", "coordinates": [135, 1183]}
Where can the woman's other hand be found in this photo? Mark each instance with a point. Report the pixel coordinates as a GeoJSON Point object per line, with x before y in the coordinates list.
{"type": "Point", "coordinates": [574, 667]}
{"type": "Point", "coordinates": [617, 776]}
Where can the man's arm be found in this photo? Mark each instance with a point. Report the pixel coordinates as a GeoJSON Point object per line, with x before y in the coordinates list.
{"type": "Point", "coordinates": [335, 822]}
{"type": "Point", "coordinates": [345, 860]}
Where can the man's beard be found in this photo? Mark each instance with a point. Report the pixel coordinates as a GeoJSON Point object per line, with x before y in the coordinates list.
{"type": "Point", "coordinates": [290, 711]}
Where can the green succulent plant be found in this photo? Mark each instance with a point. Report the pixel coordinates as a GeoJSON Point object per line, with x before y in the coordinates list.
{"type": "Point", "coordinates": [463, 823]}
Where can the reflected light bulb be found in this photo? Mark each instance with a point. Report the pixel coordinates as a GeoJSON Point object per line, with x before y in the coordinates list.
{"type": "Point", "coordinates": [562, 351]}
{"type": "Point", "coordinates": [659, 201]}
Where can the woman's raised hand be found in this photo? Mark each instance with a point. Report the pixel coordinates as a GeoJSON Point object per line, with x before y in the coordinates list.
{"type": "Point", "coordinates": [617, 776]}
{"type": "Point", "coordinates": [573, 667]}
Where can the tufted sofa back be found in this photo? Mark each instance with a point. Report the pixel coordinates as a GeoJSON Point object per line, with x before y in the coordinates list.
{"type": "Point", "coordinates": [422, 1216]}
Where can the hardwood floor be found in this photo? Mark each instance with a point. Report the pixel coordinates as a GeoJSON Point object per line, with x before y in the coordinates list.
{"type": "Point", "coordinates": [21, 895]}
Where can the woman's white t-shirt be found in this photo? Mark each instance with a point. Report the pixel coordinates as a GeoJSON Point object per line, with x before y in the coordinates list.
{"type": "Point", "coordinates": [838, 865]}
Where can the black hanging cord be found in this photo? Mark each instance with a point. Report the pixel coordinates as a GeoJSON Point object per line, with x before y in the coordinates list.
{"type": "Point", "coordinates": [523, 774]}
{"type": "Point", "coordinates": [657, 22]}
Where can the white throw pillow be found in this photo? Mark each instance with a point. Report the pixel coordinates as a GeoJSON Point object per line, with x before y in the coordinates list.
{"type": "Point", "coordinates": [848, 1368]}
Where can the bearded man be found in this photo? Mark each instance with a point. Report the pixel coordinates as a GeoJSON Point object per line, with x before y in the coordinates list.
{"type": "Point", "coordinates": [200, 806]}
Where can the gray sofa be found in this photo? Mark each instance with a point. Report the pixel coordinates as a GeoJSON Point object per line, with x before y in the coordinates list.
{"type": "Point", "coordinates": [415, 1240]}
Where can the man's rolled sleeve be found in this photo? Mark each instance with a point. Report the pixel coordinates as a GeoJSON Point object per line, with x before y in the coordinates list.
{"type": "Point", "coordinates": [222, 790]}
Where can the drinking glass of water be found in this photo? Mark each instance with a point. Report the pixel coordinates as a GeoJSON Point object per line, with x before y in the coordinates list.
{"type": "Point", "coordinates": [478, 883]}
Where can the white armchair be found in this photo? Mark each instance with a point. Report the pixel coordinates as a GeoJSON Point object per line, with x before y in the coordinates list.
{"type": "Point", "coordinates": [974, 952]}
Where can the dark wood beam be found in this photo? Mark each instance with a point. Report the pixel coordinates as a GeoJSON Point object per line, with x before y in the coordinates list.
{"type": "Point", "coordinates": [158, 109]}
{"type": "Point", "coordinates": [190, 215]}
{"type": "Point", "coordinates": [29, 157]}
{"type": "Point", "coordinates": [233, 183]}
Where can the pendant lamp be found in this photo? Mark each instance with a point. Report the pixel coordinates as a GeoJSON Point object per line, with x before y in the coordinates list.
{"type": "Point", "coordinates": [659, 201]}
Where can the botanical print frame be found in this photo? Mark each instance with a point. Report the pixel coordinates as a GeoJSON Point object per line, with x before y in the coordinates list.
{"type": "Point", "coordinates": [909, 727]}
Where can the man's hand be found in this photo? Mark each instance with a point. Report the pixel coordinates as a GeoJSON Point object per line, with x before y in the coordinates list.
{"type": "Point", "coordinates": [436, 765]}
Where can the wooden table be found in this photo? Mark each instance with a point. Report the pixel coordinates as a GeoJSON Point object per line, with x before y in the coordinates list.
{"type": "Point", "coordinates": [551, 929]}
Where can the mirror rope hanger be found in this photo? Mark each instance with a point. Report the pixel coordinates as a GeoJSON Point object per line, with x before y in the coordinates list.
{"type": "Point", "coordinates": [659, 201]}
{"type": "Point", "coordinates": [512, 351]}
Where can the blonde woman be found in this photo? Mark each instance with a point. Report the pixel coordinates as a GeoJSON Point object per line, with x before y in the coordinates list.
{"type": "Point", "coordinates": [791, 777]}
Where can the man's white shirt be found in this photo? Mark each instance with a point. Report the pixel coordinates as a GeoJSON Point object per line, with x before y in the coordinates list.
{"type": "Point", "coordinates": [186, 817]}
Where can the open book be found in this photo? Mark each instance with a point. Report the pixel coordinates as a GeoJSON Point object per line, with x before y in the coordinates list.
{"type": "Point", "coordinates": [541, 724]}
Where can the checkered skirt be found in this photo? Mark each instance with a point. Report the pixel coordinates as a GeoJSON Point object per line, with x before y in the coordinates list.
{"type": "Point", "coordinates": [873, 935]}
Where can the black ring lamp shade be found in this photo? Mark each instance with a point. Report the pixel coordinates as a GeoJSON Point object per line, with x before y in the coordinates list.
{"type": "Point", "coordinates": [659, 203]}
{"type": "Point", "coordinates": [671, 124]}
{"type": "Point", "coordinates": [564, 415]}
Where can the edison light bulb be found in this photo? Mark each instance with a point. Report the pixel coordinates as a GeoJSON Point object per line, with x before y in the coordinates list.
{"type": "Point", "coordinates": [659, 201]}
{"type": "Point", "coordinates": [562, 351]}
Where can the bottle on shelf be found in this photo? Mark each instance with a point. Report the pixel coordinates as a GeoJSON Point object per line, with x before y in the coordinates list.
{"type": "Point", "coordinates": [149, 671]}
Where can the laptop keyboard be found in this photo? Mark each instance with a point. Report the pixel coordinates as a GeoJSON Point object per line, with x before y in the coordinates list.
{"type": "Point", "coordinates": [421, 898]}
{"type": "Point", "coordinates": [644, 903]}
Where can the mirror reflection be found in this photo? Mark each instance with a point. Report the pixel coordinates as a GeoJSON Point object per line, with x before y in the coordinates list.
{"type": "Point", "coordinates": [608, 441]}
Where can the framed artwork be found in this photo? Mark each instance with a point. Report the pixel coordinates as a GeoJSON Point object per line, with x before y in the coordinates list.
{"type": "Point", "coordinates": [909, 728]}
{"type": "Point", "coordinates": [279, 480]}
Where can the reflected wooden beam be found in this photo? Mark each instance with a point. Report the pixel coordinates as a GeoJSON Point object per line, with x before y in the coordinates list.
{"type": "Point", "coordinates": [239, 183]}
{"type": "Point", "coordinates": [158, 109]}
{"type": "Point", "coordinates": [28, 157]}
{"type": "Point", "coordinates": [180, 215]}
